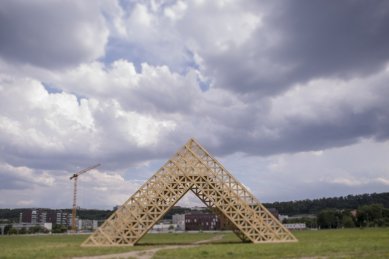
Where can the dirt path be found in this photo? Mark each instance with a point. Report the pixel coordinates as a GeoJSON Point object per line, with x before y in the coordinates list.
{"type": "Point", "coordinates": [149, 253]}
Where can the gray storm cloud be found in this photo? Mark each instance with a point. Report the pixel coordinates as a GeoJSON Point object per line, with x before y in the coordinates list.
{"type": "Point", "coordinates": [51, 34]}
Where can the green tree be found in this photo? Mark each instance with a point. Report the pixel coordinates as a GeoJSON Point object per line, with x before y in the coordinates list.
{"type": "Point", "coordinates": [329, 218]}
{"type": "Point", "coordinates": [347, 221]}
{"type": "Point", "coordinates": [371, 215]}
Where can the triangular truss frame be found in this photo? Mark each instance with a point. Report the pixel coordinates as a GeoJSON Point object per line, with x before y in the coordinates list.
{"type": "Point", "coordinates": [191, 168]}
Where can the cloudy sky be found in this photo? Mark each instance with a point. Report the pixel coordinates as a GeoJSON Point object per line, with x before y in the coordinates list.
{"type": "Point", "coordinates": [291, 96]}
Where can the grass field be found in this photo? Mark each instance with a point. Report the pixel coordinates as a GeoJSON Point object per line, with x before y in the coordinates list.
{"type": "Point", "coordinates": [347, 243]}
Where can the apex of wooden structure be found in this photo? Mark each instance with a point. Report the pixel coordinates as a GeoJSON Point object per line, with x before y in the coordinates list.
{"type": "Point", "coordinates": [191, 168]}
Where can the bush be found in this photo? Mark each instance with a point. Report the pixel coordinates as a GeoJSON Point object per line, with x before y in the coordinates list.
{"type": "Point", "coordinates": [13, 231]}
{"type": "Point", "coordinates": [59, 229]}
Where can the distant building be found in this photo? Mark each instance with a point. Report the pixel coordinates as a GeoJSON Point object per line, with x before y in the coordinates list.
{"type": "Point", "coordinates": [201, 221]}
{"type": "Point", "coordinates": [87, 224]}
{"type": "Point", "coordinates": [296, 226]}
{"type": "Point", "coordinates": [48, 226]}
{"type": "Point", "coordinates": [41, 216]}
{"type": "Point", "coordinates": [179, 220]}
{"type": "Point", "coordinates": [282, 217]}
{"type": "Point", "coordinates": [163, 227]}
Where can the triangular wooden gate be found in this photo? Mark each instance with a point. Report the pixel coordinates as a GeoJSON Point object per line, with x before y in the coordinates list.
{"type": "Point", "coordinates": [191, 168]}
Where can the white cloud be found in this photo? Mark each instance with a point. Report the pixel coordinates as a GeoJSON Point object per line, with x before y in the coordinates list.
{"type": "Point", "coordinates": [173, 33]}
{"type": "Point", "coordinates": [215, 28]}
{"type": "Point", "coordinates": [120, 81]}
{"type": "Point", "coordinates": [55, 125]}
{"type": "Point", "coordinates": [115, 16]}
{"type": "Point", "coordinates": [176, 11]}
{"type": "Point", "coordinates": [190, 200]}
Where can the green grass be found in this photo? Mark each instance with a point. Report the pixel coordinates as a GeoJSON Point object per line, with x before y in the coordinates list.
{"type": "Point", "coordinates": [52, 246]}
{"type": "Point", "coordinates": [348, 243]}
{"type": "Point", "coordinates": [175, 238]}
{"type": "Point", "coordinates": [65, 246]}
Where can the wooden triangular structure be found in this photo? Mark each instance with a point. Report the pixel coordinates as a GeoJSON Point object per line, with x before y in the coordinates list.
{"type": "Point", "coordinates": [191, 168]}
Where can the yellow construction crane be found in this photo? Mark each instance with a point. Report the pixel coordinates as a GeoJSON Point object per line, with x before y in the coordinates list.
{"type": "Point", "coordinates": [75, 177]}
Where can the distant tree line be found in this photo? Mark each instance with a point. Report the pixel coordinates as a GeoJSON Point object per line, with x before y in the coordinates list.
{"type": "Point", "coordinates": [374, 215]}
{"type": "Point", "coordinates": [9, 230]}
{"type": "Point", "coordinates": [10, 215]}
{"type": "Point", "coordinates": [366, 210]}
{"type": "Point", "coordinates": [349, 202]}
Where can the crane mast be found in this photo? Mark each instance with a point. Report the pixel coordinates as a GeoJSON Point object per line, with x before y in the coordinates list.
{"type": "Point", "coordinates": [75, 177]}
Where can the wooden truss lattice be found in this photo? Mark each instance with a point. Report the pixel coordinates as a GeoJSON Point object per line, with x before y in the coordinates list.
{"type": "Point", "coordinates": [191, 168]}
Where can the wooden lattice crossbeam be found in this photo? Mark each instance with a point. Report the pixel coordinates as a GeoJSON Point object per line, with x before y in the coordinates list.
{"type": "Point", "coordinates": [192, 168]}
